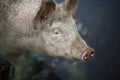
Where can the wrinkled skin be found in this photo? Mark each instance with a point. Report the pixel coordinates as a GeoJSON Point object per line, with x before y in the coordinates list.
{"type": "Point", "coordinates": [42, 26]}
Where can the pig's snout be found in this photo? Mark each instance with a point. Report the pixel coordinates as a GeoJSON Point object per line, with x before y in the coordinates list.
{"type": "Point", "coordinates": [88, 54]}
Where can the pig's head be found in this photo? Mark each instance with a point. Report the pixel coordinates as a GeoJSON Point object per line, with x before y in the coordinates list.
{"type": "Point", "coordinates": [58, 32]}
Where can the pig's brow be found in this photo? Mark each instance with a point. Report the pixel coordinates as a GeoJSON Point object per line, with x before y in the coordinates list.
{"type": "Point", "coordinates": [57, 20]}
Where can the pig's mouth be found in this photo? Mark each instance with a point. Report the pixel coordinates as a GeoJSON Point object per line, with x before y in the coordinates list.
{"type": "Point", "coordinates": [88, 54]}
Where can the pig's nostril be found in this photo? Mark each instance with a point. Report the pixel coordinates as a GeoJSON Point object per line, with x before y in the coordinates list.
{"type": "Point", "coordinates": [89, 53]}
{"type": "Point", "coordinates": [92, 54]}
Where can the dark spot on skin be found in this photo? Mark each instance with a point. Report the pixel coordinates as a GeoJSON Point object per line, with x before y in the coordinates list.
{"type": "Point", "coordinates": [66, 54]}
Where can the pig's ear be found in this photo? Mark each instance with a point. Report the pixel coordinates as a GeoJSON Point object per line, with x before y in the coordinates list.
{"type": "Point", "coordinates": [70, 6]}
{"type": "Point", "coordinates": [47, 8]}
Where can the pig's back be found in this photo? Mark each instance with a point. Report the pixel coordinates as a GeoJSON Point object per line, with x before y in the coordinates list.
{"type": "Point", "coordinates": [16, 20]}
{"type": "Point", "coordinates": [18, 15]}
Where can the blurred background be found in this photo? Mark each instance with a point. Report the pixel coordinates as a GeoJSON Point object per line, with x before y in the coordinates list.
{"type": "Point", "coordinates": [98, 22]}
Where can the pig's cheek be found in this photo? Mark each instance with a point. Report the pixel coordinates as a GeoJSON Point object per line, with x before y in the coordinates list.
{"type": "Point", "coordinates": [51, 50]}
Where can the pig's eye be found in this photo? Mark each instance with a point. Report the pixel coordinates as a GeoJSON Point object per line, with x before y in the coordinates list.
{"type": "Point", "coordinates": [57, 31]}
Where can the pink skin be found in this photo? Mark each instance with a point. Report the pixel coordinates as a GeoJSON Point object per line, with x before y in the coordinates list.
{"type": "Point", "coordinates": [42, 26]}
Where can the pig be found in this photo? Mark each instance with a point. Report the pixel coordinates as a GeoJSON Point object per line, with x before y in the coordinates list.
{"type": "Point", "coordinates": [41, 26]}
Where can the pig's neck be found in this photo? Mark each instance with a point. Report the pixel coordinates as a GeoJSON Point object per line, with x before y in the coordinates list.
{"type": "Point", "coordinates": [33, 43]}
